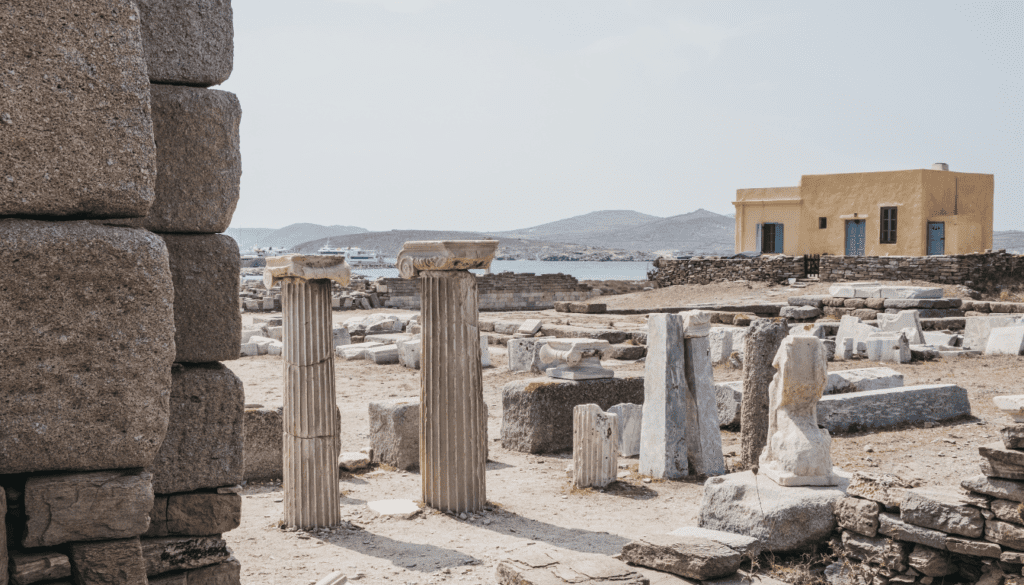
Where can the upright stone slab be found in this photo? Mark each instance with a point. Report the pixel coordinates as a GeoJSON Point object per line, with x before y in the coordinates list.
{"type": "Point", "coordinates": [762, 343]}
{"type": "Point", "coordinates": [901, 321]}
{"type": "Point", "coordinates": [798, 452]}
{"type": "Point", "coordinates": [703, 439]}
{"type": "Point", "coordinates": [207, 323]}
{"type": "Point", "coordinates": [311, 430]}
{"type": "Point", "coordinates": [76, 137]}
{"type": "Point", "coordinates": [110, 562]}
{"type": "Point", "coordinates": [262, 452]}
{"type": "Point", "coordinates": [630, 417]}
{"type": "Point", "coordinates": [663, 447]}
{"type": "Point", "coordinates": [204, 442]}
{"type": "Point", "coordinates": [68, 401]}
{"type": "Point", "coordinates": [101, 505]}
{"type": "Point", "coordinates": [595, 445]}
{"type": "Point", "coordinates": [188, 42]}
{"type": "Point", "coordinates": [453, 416]}
{"type": "Point", "coordinates": [199, 165]}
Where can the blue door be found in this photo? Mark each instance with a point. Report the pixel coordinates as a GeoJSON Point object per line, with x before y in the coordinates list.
{"type": "Point", "coordinates": [855, 230]}
{"type": "Point", "coordinates": [936, 238]}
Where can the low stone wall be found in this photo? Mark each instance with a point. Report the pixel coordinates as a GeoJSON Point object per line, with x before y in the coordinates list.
{"type": "Point", "coordinates": [499, 292]}
{"type": "Point", "coordinates": [706, 270]}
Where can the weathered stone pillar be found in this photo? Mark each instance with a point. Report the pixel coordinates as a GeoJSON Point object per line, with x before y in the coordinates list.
{"type": "Point", "coordinates": [595, 446]}
{"type": "Point", "coordinates": [311, 430]}
{"type": "Point", "coordinates": [764, 337]}
{"type": "Point", "coordinates": [663, 432]}
{"type": "Point", "coordinates": [703, 437]}
{"type": "Point", "coordinates": [453, 417]}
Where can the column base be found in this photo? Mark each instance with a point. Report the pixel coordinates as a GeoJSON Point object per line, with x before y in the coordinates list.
{"type": "Point", "coordinates": [312, 498]}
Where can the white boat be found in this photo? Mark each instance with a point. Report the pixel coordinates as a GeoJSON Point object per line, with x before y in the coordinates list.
{"type": "Point", "coordinates": [355, 256]}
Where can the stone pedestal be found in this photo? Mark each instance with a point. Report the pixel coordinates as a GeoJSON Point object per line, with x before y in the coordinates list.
{"type": "Point", "coordinates": [311, 430]}
{"type": "Point", "coordinates": [595, 446]}
{"type": "Point", "coordinates": [453, 416]}
{"type": "Point", "coordinates": [763, 341]}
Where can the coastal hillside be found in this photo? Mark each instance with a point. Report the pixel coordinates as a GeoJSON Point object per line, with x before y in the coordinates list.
{"type": "Point", "coordinates": [583, 227]}
{"type": "Point", "coordinates": [288, 236]}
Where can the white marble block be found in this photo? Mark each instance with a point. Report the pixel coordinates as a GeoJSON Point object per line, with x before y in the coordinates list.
{"type": "Point", "coordinates": [663, 452]}
{"type": "Point", "coordinates": [1005, 341]}
{"type": "Point", "coordinates": [798, 452]}
{"type": "Point", "coordinates": [703, 437]}
{"type": "Point", "coordinates": [1012, 405]}
{"type": "Point", "coordinates": [901, 322]}
{"type": "Point", "coordinates": [888, 347]}
{"type": "Point", "coordinates": [630, 417]}
{"type": "Point", "coordinates": [595, 446]}
{"type": "Point", "coordinates": [577, 358]}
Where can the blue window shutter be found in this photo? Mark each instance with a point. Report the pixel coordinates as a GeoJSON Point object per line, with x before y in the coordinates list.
{"type": "Point", "coordinates": [779, 239]}
{"type": "Point", "coordinates": [757, 239]}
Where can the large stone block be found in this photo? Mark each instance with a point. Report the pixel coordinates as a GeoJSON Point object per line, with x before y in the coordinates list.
{"type": "Point", "coordinates": [102, 505]}
{"type": "Point", "coordinates": [226, 573]}
{"type": "Point", "coordinates": [194, 514]}
{"type": "Point", "coordinates": [395, 432]}
{"type": "Point", "coordinates": [1006, 341]}
{"type": "Point", "coordinates": [546, 565]}
{"type": "Point", "coordinates": [76, 137]}
{"type": "Point", "coordinates": [862, 379]}
{"type": "Point", "coordinates": [262, 452]}
{"type": "Point", "coordinates": [88, 342]}
{"type": "Point", "coordinates": [879, 409]}
{"type": "Point", "coordinates": [177, 553]}
{"type": "Point", "coordinates": [537, 412]}
{"type": "Point", "coordinates": [978, 329]}
{"type": "Point", "coordinates": [111, 562]}
{"type": "Point", "coordinates": [203, 447]}
{"type": "Point", "coordinates": [35, 566]}
{"type": "Point", "coordinates": [199, 165]}
{"type": "Point", "coordinates": [942, 509]}
{"type": "Point", "coordinates": [524, 355]}
{"type": "Point", "coordinates": [188, 42]}
{"type": "Point", "coordinates": [207, 322]}
{"type": "Point", "coordinates": [689, 557]}
{"type": "Point", "coordinates": [784, 519]}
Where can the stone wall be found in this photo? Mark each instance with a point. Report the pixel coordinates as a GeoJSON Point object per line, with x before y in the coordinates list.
{"type": "Point", "coordinates": [499, 292]}
{"type": "Point", "coordinates": [983, 272]}
{"type": "Point", "coordinates": [121, 296]}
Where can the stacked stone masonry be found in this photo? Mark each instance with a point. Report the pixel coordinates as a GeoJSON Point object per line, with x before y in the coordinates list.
{"type": "Point", "coordinates": [120, 433]}
{"type": "Point", "coordinates": [499, 292]}
{"type": "Point", "coordinates": [979, 271]}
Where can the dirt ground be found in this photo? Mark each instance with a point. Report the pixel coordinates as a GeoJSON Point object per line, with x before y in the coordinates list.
{"type": "Point", "coordinates": [530, 495]}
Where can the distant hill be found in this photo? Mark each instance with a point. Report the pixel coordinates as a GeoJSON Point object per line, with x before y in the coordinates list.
{"type": "Point", "coordinates": [288, 236]}
{"type": "Point", "coordinates": [585, 226]}
{"type": "Point", "coordinates": [697, 232]}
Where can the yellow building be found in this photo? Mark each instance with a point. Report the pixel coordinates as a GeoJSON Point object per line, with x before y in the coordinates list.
{"type": "Point", "coordinates": [891, 213]}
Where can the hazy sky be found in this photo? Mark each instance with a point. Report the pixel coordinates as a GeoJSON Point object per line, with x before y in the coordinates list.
{"type": "Point", "coordinates": [502, 114]}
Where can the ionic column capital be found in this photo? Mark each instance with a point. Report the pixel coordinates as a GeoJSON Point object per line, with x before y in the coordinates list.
{"type": "Point", "coordinates": [306, 268]}
{"type": "Point", "coordinates": [417, 257]}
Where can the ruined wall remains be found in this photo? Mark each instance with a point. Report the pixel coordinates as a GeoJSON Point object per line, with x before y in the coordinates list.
{"type": "Point", "coordinates": [119, 170]}
{"type": "Point", "coordinates": [499, 292]}
{"type": "Point", "coordinates": [979, 271]}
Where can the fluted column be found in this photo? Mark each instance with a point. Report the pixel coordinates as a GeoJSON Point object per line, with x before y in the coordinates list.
{"type": "Point", "coordinates": [595, 446]}
{"type": "Point", "coordinates": [311, 438]}
{"type": "Point", "coordinates": [453, 417]}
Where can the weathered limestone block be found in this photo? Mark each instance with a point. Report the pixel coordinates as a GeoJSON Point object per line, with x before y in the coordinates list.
{"type": "Point", "coordinates": [207, 323]}
{"type": "Point", "coordinates": [630, 417]}
{"type": "Point", "coordinates": [77, 137]}
{"type": "Point", "coordinates": [194, 514]}
{"type": "Point", "coordinates": [624, 352]}
{"type": "Point", "coordinates": [663, 440]}
{"type": "Point", "coordinates": [862, 379]}
{"type": "Point", "coordinates": [1012, 406]}
{"type": "Point", "coordinates": [888, 347]}
{"type": "Point", "coordinates": [974, 548]}
{"type": "Point", "coordinates": [410, 352]}
{"type": "Point", "coordinates": [703, 439]}
{"type": "Point", "coordinates": [356, 351]}
{"type": "Point", "coordinates": [1006, 341]}
{"type": "Point", "coordinates": [199, 165]}
{"type": "Point", "coordinates": [262, 451]}
{"type": "Point", "coordinates": [879, 409]}
{"type": "Point", "coordinates": [931, 562]}
{"type": "Point", "coordinates": [745, 545]}
{"type": "Point", "coordinates": [689, 557]}
{"type": "Point", "coordinates": [110, 562]}
{"type": "Point", "coordinates": [395, 432]}
{"type": "Point", "coordinates": [783, 518]}
{"type": "Point", "coordinates": [798, 452]}
{"type": "Point", "coordinates": [204, 443]}
{"type": "Point", "coordinates": [546, 565]}
{"type": "Point", "coordinates": [1013, 436]}
{"type": "Point", "coordinates": [179, 553]}
{"type": "Point", "coordinates": [575, 359]}
{"type": "Point", "coordinates": [383, 354]}
{"type": "Point", "coordinates": [34, 566]}
{"type": "Point", "coordinates": [899, 322]}
{"type": "Point", "coordinates": [1008, 511]}
{"type": "Point", "coordinates": [188, 42]}
{"type": "Point", "coordinates": [87, 346]}
{"type": "Point", "coordinates": [852, 327]}
{"type": "Point", "coordinates": [1004, 533]}
{"type": "Point", "coordinates": [942, 509]}
{"type": "Point", "coordinates": [729, 397]}
{"type": "Point", "coordinates": [764, 337]}
{"type": "Point", "coordinates": [103, 505]}
{"type": "Point", "coordinates": [890, 525]}
{"type": "Point", "coordinates": [524, 355]}
{"type": "Point", "coordinates": [885, 488]}
{"type": "Point", "coordinates": [800, 313]}
{"type": "Point", "coordinates": [997, 488]}
{"type": "Point", "coordinates": [888, 553]}
{"type": "Point", "coordinates": [595, 439]}
{"type": "Point", "coordinates": [537, 412]}
{"type": "Point", "coordinates": [978, 329]}
{"type": "Point", "coordinates": [226, 573]}
{"type": "Point", "coordinates": [860, 516]}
